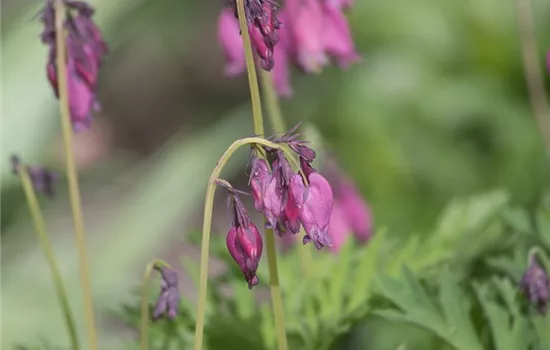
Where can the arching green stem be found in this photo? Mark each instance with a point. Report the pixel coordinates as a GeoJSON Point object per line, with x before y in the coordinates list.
{"type": "Point", "coordinates": [72, 174]}
{"type": "Point", "coordinates": [42, 234]}
{"type": "Point", "coordinates": [207, 223]}
{"type": "Point", "coordinates": [145, 301]}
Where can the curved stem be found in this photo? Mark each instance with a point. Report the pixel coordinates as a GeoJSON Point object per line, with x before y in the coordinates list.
{"type": "Point", "coordinates": [40, 227]}
{"type": "Point", "coordinates": [145, 301]}
{"type": "Point", "coordinates": [251, 71]}
{"type": "Point", "coordinates": [207, 224]}
{"type": "Point", "coordinates": [531, 68]}
{"type": "Point", "coordinates": [72, 175]}
{"type": "Point", "coordinates": [275, 116]}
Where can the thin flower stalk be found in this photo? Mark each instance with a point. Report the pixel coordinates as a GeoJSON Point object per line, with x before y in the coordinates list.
{"type": "Point", "coordinates": [251, 71]}
{"type": "Point", "coordinates": [42, 234]}
{"type": "Point", "coordinates": [72, 175]}
{"type": "Point", "coordinates": [207, 225]}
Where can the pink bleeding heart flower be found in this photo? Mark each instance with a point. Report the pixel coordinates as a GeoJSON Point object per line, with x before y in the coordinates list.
{"type": "Point", "coordinates": [314, 202]}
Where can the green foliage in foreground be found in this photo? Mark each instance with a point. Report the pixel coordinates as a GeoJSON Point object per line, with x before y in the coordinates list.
{"type": "Point", "coordinates": [459, 287]}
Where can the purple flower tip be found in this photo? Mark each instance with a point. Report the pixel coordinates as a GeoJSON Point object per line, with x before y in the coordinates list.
{"type": "Point", "coordinates": [536, 285]}
{"type": "Point", "coordinates": [169, 297]}
{"type": "Point", "coordinates": [43, 180]}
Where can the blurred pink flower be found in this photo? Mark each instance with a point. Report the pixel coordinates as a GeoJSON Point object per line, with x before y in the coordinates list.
{"type": "Point", "coordinates": [85, 51]}
{"type": "Point", "coordinates": [312, 32]}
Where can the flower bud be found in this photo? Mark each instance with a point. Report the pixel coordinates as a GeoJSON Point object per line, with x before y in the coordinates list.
{"type": "Point", "coordinates": [169, 297]}
{"type": "Point", "coordinates": [536, 285]}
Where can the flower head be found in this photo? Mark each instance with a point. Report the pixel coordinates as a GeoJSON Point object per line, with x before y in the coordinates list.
{"type": "Point", "coordinates": [536, 285]}
{"type": "Point", "coordinates": [243, 240]}
{"type": "Point", "coordinates": [169, 298]}
{"type": "Point", "coordinates": [85, 52]}
{"type": "Point", "coordinates": [309, 33]}
{"type": "Point", "coordinates": [43, 180]}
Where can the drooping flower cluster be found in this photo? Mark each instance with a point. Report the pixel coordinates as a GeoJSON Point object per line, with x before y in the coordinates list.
{"type": "Point", "coordinates": [262, 28]}
{"type": "Point", "coordinates": [287, 198]}
{"type": "Point", "coordinates": [536, 285]}
{"type": "Point", "coordinates": [290, 199]}
{"type": "Point", "coordinates": [169, 297]}
{"type": "Point", "coordinates": [312, 32]}
{"type": "Point", "coordinates": [43, 180]}
{"type": "Point", "coordinates": [85, 52]}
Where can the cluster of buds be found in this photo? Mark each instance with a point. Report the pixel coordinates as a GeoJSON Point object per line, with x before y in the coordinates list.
{"type": "Point", "coordinates": [169, 297]}
{"type": "Point", "coordinates": [262, 28]}
{"type": "Point", "coordinates": [536, 285]}
{"type": "Point", "coordinates": [287, 198]}
{"type": "Point", "coordinates": [310, 32]}
{"type": "Point", "coordinates": [85, 52]}
{"type": "Point", "coordinates": [43, 180]}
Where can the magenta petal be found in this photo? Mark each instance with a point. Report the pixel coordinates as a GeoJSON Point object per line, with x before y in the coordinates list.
{"type": "Point", "coordinates": [339, 230]}
{"type": "Point", "coordinates": [337, 37]}
{"type": "Point", "coordinates": [315, 203]}
{"type": "Point", "coordinates": [81, 100]}
{"type": "Point", "coordinates": [305, 19]}
{"type": "Point", "coordinates": [231, 42]}
{"type": "Point", "coordinates": [356, 210]}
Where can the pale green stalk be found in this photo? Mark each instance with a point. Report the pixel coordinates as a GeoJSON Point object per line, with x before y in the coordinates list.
{"type": "Point", "coordinates": [72, 174]}
{"type": "Point", "coordinates": [40, 227]}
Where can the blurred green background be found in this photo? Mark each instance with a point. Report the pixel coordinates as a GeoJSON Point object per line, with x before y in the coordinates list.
{"type": "Point", "coordinates": [437, 109]}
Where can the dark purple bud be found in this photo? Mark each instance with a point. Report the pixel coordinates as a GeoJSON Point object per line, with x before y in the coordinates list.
{"type": "Point", "coordinates": [260, 176]}
{"type": "Point", "coordinates": [169, 297]}
{"type": "Point", "coordinates": [245, 246]}
{"type": "Point", "coordinates": [244, 241]}
{"type": "Point", "coordinates": [536, 285]}
{"type": "Point", "coordinates": [314, 202]}
{"type": "Point", "coordinates": [262, 27]}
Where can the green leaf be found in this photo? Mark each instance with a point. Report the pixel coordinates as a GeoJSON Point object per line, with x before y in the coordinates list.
{"type": "Point", "coordinates": [542, 325]}
{"type": "Point", "coordinates": [365, 272]}
{"type": "Point", "coordinates": [508, 333]}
